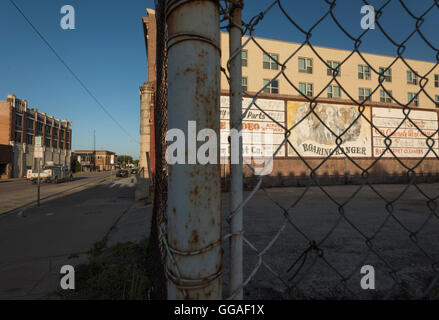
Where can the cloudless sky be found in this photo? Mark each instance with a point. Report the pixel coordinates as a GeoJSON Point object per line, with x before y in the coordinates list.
{"type": "Point", "coordinates": [107, 52]}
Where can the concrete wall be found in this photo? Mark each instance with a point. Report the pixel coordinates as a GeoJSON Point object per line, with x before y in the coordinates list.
{"type": "Point", "coordinates": [145, 126]}
{"type": "Point", "coordinates": [5, 122]}
{"type": "Point", "coordinates": [23, 158]}
{"type": "Point", "coordinates": [294, 172]}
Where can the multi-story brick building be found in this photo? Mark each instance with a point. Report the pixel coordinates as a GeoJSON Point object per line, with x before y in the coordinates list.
{"type": "Point", "coordinates": [100, 160]}
{"type": "Point", "coordinates": [19, 125]}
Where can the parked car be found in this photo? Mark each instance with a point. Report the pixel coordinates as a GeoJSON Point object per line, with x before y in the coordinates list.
{"type": "Point", "coordinates": [122, 173]}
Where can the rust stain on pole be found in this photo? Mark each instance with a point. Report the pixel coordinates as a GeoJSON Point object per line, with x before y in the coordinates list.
{"type": "Point", "coordinates": [194, 202]}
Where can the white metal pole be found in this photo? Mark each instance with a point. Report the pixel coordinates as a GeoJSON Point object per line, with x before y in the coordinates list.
{"type": "Point", "coordinates": [236, 224]}
{"type": "Point", "coordinates": [194, 190]}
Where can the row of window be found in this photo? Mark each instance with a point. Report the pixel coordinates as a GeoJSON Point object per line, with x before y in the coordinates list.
{"type": "Point", "coordinates": [334, 91]}
{"type": "Point", "coordinates": [29, 139]}
{"type": "Point", "coordinates": [271, 62]}
{"type": "Point", "coordinates": [30, 126]}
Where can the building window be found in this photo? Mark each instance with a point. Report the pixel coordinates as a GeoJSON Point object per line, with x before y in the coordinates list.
{"type": "Point", "coordinates": [386, 74]}
{"type": "Point", "coordinates": [29, 124]}
{"type": "Point", "coordinates": [306, 89]}
{"type": "Point", "coordinates": [47, 129]}
{"type": "Point", "coordinates": [437, 101]}
{"type": "Point", "coordinates": [61, 133]}
{"type": "Point", "coordinates": [364, 94]}
{"type": "Point", "coordinates": [18, 120]}
{"type": "Point", "coordinates": [244, 84]}
{"type": "Point", "coordinates": [272, 87]}
{"type": "Point", "coordinates": [436, 80]}
{"type": "Point", "coordinates": [61, 145]}
{"type": "Point", "coordinates": [363, 72]}
{"type": "Point", "coordinates": [39, 126]}
{"type": "Point", "coordinates": [47, 142]}
{"type": "Point", "coordinates": [412, 78]}
{"type": "Point", "coordinates": [270, 63]}
{"type": "Point", "coordinates": [17, 137]}
{"type": "Point", "coordinates": [244, 57]}
{"type": "Point", "coordinates": [385, 96]}
{"type": "Point", "coordinates": [413, 99]}
{"type": "Point", "coordinates": [305, 65]}
{"type": "Point", "coordinates": [333, 66]}
{"type": "Point", "coordinates": [334, 92]}
{"type": "Point", "coordinates": [54, 143]}
{"type": "Point", "coordinates": [29, 139]}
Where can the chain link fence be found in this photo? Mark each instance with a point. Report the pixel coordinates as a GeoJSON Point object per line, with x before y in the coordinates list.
{"type": "Point", "coordinates": [157, 250]}
{"type": "Point", "coordinates": [314, 239]}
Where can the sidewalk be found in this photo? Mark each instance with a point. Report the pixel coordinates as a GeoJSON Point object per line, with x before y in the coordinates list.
{"type": "Point", "coordinates": [38, 278]}
{"type": "Point", "coordinates": [11, 180]}
{"type": "Point", "coordinates": [134, 225]}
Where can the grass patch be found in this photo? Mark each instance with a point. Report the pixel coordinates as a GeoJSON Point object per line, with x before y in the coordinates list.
{"type": "Point", "coordinates": [114, 273]}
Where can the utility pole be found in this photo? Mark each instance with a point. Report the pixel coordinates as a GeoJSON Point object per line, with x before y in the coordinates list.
{"type": "Point", "coordinates": [94, 150]}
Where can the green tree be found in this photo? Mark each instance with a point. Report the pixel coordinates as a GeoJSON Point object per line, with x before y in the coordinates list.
{"type": "Point", "coordinates": [124, 159]}
{"type": "Point", "coordinates": [76, 166]}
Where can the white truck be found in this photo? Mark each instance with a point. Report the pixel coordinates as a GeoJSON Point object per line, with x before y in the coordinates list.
{"type": "Point", "coordinates": [50, 173]}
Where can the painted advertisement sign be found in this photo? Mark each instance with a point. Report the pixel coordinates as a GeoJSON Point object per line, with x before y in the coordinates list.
{"type": "Point", "coordinates": [407, 141]}
{"type": "Point", "coordinates": [311, 138]}
{"type": "Point", "coordinates": [261, 136]}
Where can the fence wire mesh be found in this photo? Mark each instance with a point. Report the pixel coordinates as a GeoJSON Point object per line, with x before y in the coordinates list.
{"type": "Point", "coordinates": [297, 250]}
{"type": "Point", "coordinates": [157, 247]}
{"type": "Point", "coordinates": [294, 271]}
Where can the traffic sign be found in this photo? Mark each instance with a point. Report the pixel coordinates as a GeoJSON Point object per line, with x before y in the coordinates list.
{"type": "Point", "coordinates": [38, 141]}
{"type": "Point", "coordinates": [38, 152]}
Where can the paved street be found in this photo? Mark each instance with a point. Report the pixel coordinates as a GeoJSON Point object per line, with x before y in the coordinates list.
{"type": "Point", "coordinates": [20, 192]}
{"type": "Point", "coordinates": [36, 242]}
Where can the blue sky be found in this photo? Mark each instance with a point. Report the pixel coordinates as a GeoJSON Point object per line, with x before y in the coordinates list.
{"type": "Point", "coordinates": [107, 52]}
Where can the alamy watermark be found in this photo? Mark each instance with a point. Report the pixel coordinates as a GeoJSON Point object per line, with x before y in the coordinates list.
{"type": "Point", "coordinates": [67, 281]}
{"type": "Point", "coordinates": [68, 20]}
{"type": "Point", "coordinates": [202, 147]}
{"type": "Point", "coordinates": [368, 20]}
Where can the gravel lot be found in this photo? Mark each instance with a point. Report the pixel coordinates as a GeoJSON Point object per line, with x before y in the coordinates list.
{"type": "Point", "coordinates": [344, 250]}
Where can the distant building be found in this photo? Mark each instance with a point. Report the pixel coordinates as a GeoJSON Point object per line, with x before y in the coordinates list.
{"type": "Point", "coordinates": [95, 160]}
{"type": "Point", "coordinates": [19, 125]}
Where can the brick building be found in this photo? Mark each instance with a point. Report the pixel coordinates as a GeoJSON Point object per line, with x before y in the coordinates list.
{"type": "Point", "coordinates": [337, 104]}
{"type": "Point", "coordinates": [95, 160]}
{"type": "Point", "coordinates": [19, 125]}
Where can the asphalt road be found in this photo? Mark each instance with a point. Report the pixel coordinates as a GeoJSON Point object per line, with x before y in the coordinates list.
{"type": "Point", "coordinates": [20, 193]}
{"type": "Point", "coordinates": [36, 242]}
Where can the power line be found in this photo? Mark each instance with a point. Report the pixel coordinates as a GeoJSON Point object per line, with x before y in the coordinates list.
{"type": "Point", "coordinates": [72, 72]}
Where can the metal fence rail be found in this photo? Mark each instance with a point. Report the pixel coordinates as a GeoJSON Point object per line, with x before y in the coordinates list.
{"type": "Point", "coordinates": [311, 250]}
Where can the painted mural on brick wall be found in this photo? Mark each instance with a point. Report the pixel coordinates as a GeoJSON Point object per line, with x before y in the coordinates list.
{"type": "Point", "coordinates": [408, 140]}
{"type": "Point", "coordinates": [312, 139]}
{"type": "Point", "coordinates": [261, 135]}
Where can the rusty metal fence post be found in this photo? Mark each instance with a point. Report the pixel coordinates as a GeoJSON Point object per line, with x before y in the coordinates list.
{"type": "Point", "coordinates": [194, 261]}
{"type": "Point", "coordinates": [236, 216]}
